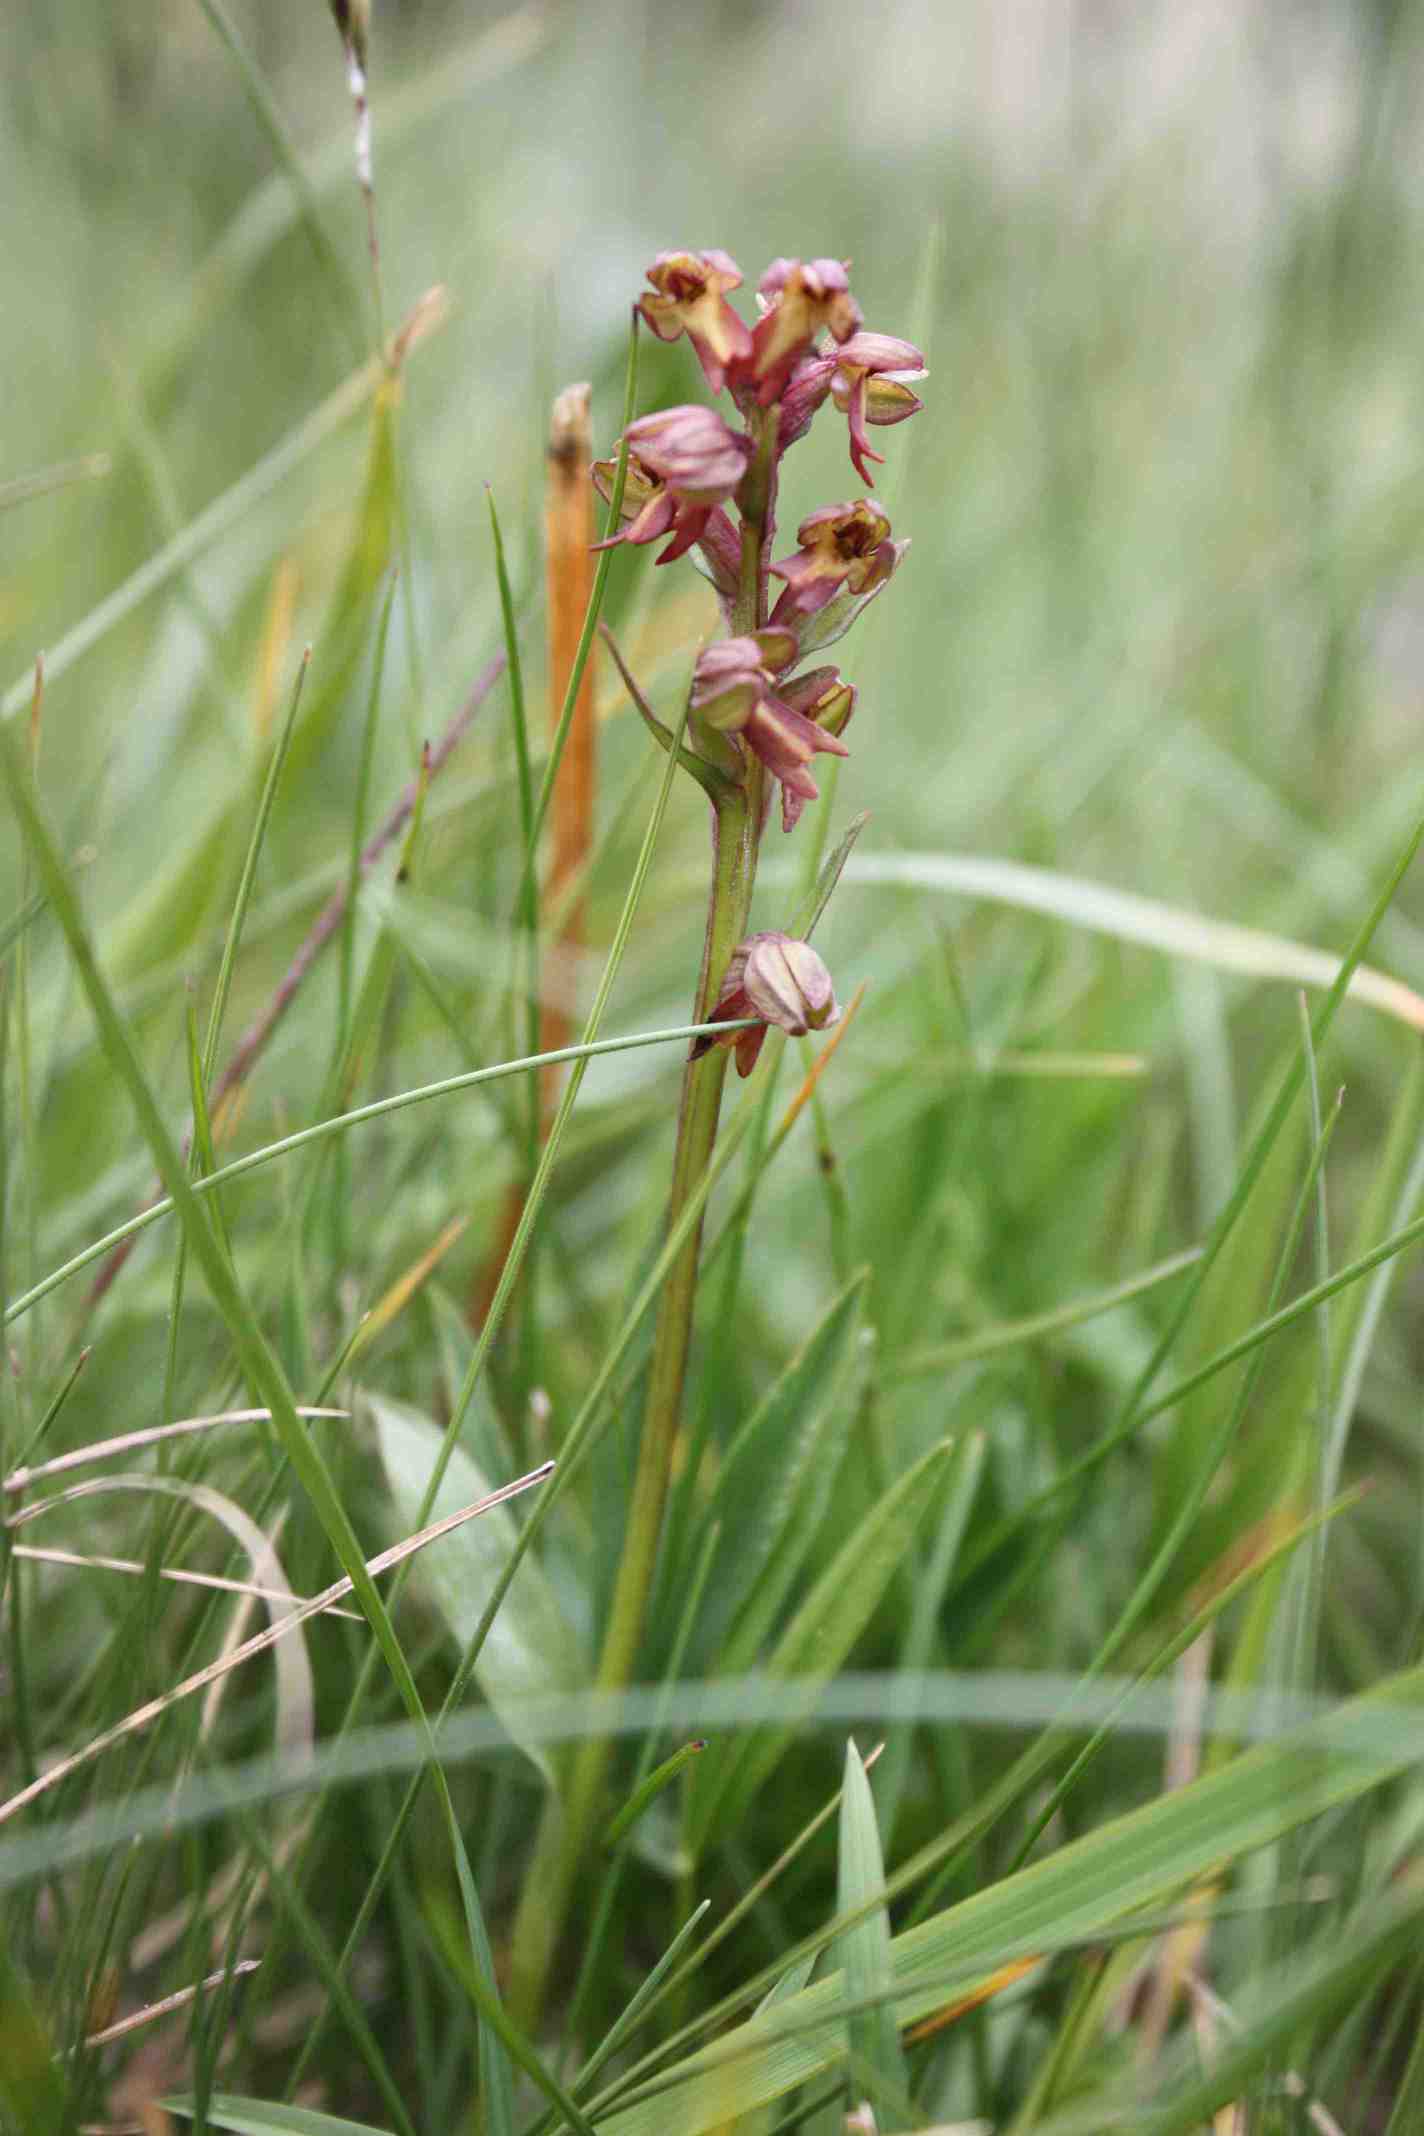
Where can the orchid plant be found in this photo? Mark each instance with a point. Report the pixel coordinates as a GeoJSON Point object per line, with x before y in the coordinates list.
{"type": "Point", "coordinates": [757, 717]}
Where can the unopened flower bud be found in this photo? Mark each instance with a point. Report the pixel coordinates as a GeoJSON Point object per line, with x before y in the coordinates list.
{"type": "Point", "coordinates": [781, 982]}
{"type": "Point", "coordinates": [787, 984]}
{"type": "Point", "coordinates": [689, 297]}
{"type": "Point", "coordinates": [806, 388]}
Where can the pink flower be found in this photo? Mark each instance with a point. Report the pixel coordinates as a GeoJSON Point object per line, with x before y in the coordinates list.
{"type": "Point", "coordinates": [842, 545]}
{"type": "Point", "coordinates": [871, 378]}
{"type": "Point", "coordinates": [799, 298]}
{"type": "Point", "coordinates": [682, 464]}
{"type": "Point", "coordinates": [779, 979]}
{"type": "Point", "coordinates": [689, 297]}
{"type": "Point", "coordinates": [734, 689]}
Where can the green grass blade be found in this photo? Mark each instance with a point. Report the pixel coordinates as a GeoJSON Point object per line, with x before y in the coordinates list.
{"type": "Point", "coordinates": [253, 2117]}
{"type": "Point", "coordinates": [526, 933]}
{"type": "Point", "coordinates": [775, 1480]}
{"type": "Point", "coordinates": [814, 1644]}
{"type": "Point", "coordinates": [649, 1789]}
{"type": "Point", "coordinates": [863, 1951]}
{"type": "Point", "coordinates": [346, 964]}
{"type": "Point", "coordinates": [961, 1485]}
{"type": "Point", "coordinates": [537, 1654]}
{"type": "Point", "coordinates": [304, 1137]}
{"type": "Point", "coordinates": [1353, 1966]}
{"type": "Point", "coordinates": [644, 1995]}
{"type": "Point", "coordinates": [1035, 1327]}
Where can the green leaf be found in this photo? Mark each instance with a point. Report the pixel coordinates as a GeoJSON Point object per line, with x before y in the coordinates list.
{"type": "Point", "coordinates": [809, 915]}
{"type": "Point", "coordinates": [254, 2117]}
{"type": "Point", "coordinates": [1085, 1889]}
{"type": "Point", "coordinates": [863, 1949]}
{"type": "Point", "coordinates": [814, 1645]}
{"type": "Point", "coordinates": [775, 1482]}
{"type": "Point", "coordinates": [835, 619]}
{"type": "Point", "coordinates": [495, 2067]}
{"type": "Point", "coordinates": [531, 1651]}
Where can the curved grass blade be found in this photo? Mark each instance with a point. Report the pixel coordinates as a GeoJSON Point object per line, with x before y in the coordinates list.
{"type": "Point", "coordinates": [1128, 917]}
{"type": "Point", "coordinates": [338, 1125]}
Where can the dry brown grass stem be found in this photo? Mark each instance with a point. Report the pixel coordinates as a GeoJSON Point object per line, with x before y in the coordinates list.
{"type": "Point", "coordinates": [167, 2004]}
{"type": "Point", "coordinates": [179, 1574]}
{"type": "Point", "coordinates": [130, 1442]}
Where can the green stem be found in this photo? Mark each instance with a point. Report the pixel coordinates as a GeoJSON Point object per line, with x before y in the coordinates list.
{"type": "Point", "coordinates": [565, 1827]}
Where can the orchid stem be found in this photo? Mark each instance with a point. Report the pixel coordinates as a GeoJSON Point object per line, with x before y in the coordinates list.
{"type": "Point", "coordinates": [737, 815]}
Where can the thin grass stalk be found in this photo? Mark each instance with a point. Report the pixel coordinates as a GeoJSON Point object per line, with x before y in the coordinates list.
{"type": "Point", "coordinates": [217, 1011]}
{"type": "Point", "coordinates": [524, 935]}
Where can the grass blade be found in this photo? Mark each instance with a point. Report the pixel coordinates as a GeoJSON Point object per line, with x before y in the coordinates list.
{"type": "Point", "coordinates": [863, 1951]}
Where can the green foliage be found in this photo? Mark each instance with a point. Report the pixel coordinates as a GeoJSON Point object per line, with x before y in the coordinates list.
{"type": "Point", "coordinates": [1059, 1373]}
